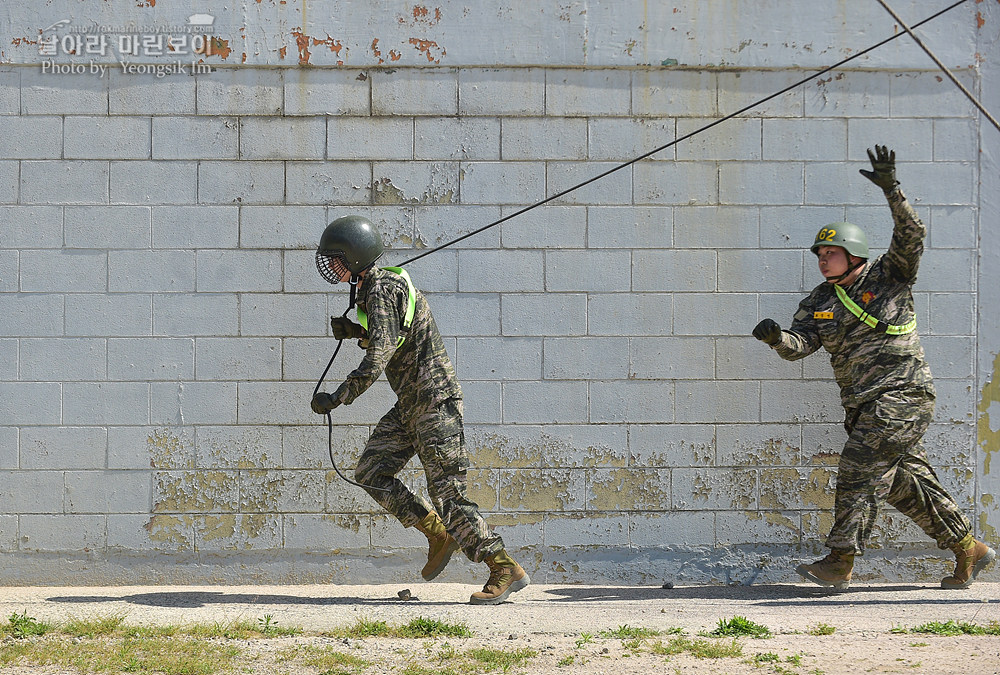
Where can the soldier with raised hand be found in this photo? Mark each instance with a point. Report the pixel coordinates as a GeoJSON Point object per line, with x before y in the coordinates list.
{"type": "Point", "coordinates": [400, 337]}
{"type": "Point", "coordinates": [863, 316]}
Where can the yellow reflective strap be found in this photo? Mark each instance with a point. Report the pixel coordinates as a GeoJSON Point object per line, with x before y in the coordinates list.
{"type": "Point", "coordinates": [411, 304]}
{"type": "Point", "coordinates": [907, 327]}
{"type": "Point", "coordinates": [870, 320]}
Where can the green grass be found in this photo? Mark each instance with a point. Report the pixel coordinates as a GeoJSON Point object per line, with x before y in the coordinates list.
{"type": "Point", "coordinates": [419, 627]}
{"type": "Point", "coordinates": [950, 628]}
{"type": "Point", "coordinates": [105, 644]}
{"type": "Point", "coordinates": [423, 628]}
{"type": "Point", "coordinates": [629, 632]}
{"type": "Point", "coordinates": [702, 649]}
{"type": "Point", "coordinates": [501, 659]}
{"type": "Point", "coordinates": [146, 655]}
{"type": "Point", "coordinates": [475, 661]}
{"type": "Point", "coordinates": [21, 626]}
{"type": "Point", "coordinates": [822, 629]}
{"type": "Point", "coordinates": [327, 660]}
{"type": "Point", "coordinates": [740, 626]}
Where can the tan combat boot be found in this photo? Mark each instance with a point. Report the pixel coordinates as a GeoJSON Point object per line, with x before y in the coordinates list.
{"type": "Point", "coordinates": [506, 577]}
{"type": "Point", "coordinates": [833, 571]}
{"type": "Point", "coordinates": [440, 545]}
{"type": "Point", "coordinates": [971, 558]}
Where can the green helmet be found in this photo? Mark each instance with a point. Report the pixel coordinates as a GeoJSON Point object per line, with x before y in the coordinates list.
{"type": "Point", "coordinates": [848, 236]}
{"type": "Point", "coordinates": [350, 241]}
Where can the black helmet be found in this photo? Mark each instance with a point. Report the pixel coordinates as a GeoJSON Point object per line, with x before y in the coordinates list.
{"type": "Point", "coordinates": [848, 236]}
{"type": "Point", "coordinates": [351, 242]}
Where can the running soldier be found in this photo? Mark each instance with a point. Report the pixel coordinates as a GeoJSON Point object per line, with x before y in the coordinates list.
{"type": "Point", "coordinates": [863, 316]}
{"type": "Point", "coordinates": [400, 337]}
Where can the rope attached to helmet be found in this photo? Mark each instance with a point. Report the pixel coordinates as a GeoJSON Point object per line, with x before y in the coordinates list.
{"type": "Point", "coordinates": [329, 417]}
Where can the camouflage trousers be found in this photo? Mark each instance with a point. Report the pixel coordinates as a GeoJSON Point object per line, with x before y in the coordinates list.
{"type": "Point", "coordinates": [437, 437]}
{"type": "Point", "coordinates": [885, 461]}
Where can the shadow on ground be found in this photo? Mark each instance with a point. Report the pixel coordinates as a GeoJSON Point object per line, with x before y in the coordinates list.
{"type": "Point", "coordinates": [193, 599]}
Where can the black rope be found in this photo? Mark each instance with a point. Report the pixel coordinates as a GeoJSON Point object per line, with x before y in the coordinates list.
{"type": "Point", "coordinates": [329, 417]}
{"type": "Point", "coordinates": [678, 140]}
{"type": "Point", "coordinates": [944, 69]}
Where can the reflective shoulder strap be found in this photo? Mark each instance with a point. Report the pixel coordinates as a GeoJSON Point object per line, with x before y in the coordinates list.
{"type": "Point", "coordinates": [411, 303]}
{"type": "Point", "coordinates": [870, 320]}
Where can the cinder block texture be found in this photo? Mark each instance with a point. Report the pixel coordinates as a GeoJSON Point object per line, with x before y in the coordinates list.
{"type": "Point", "coordinates": [163, 325]}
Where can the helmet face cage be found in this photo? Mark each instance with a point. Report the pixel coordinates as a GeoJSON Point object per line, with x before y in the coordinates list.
{"type": "Point", "coordinates": [332, 267]}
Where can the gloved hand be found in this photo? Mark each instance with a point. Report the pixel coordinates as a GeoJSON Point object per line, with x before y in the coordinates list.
{"type": "Point", "coordinates": [323, 403]}
{"type": "Point", "coordinates": [345, 329]}
{"type": "Point", "coordinates": [883, 171]}
{"type": "Point", "coordinates": [768, 331]}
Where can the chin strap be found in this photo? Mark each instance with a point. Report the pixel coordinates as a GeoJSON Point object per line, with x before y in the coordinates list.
{"type": "Point", "coordinates": [850, 270]}
{"type": "Point", "coordinates": [354, 293]}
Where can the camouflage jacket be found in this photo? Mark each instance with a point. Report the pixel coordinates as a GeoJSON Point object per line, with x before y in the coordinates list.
{"type": "Point", "coordinates": [866, 362]}
{"type": "Point", "coordinates": [419, 370]}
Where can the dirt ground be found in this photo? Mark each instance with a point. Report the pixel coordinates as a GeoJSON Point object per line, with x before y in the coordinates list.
{"type": "Point", "coordinates": [564, 629]}
{"type": "Point", "coordinates": [843, 654]}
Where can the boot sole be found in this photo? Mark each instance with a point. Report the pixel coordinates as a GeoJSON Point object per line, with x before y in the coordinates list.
{"type": "Point", "coordinates": [513, 588]}
{"type": "Point", "coordinates": [452, 547]}
{"type": "Point", "coordinates": [980, 565]}
{"type": "Point", "coordinates": [838, 585]}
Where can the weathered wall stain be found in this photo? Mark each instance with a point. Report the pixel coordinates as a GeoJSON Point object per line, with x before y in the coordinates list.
{"type": "Point", "coordinates": [820, 489]}
{"type": "Point", "coordinates": [439, 191]}
{"type": "Point", "coordinates": [988, 423]}
{"type": "Point", "coordinates": [394, 55]}
{"type": "Point", "coordinates": [384, 192]}
{"type": "Point", "coordinates": [541, 490]}
{"type": "Point", "coordinates": [628, 490]}
{"type": "Point", "coordinates": [482, 488]}
{"type": "Point", "coordinates": [429, 48]}
{"type": "Point", "coordinates": [302, 42]}
{"type": "Point", "coordinates": [780, 488]}
{"type": "Point", "coordinates": [169, 451]}
{"type": "Point", "coordinates": [195, 491]}
{"type": "Point", "coordinates": [422, 14]}
{"type": "Point", "coordinates": [495, 449]}
{"type": "Point", "coordinates": [171, 529]}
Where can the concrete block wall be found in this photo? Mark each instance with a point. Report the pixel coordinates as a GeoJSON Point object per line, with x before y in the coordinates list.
{"type": "Point", "coordinates": [163, 324]}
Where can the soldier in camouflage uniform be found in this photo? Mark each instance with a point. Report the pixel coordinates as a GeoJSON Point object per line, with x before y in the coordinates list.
{"type": "Point", "coordinates": [400, 338]}
{"type": "Point", "coordinates": [863, 316]}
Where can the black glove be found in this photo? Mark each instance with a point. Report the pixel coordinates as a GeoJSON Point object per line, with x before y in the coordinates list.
{"type": "Point", "coordinates": [768, 331]}
{"type": "Point", "coordinates": [323, 403]}
{"type": "Point", "coordinates": [884, 168]}
{"type": "Point", "coordinates": [345, 329]}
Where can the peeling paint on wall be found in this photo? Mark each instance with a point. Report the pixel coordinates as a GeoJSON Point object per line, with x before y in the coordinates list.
{"type": "Point", "coordinates": [988, 424]}
{"type": "Point", "coordinates": [629, 490]}
{"type": "Point", "coordinates": [547, 490]}
{"type": "Point", "coordinates": [384, 193]}
{"type": "Point", "coordinates": [171, 529]}
{"type": "Point", "coordinates": [820, 489]}
{"type": "Point", "coordinates": [429, 48]}
{"type": "Point", "coordinates": [302, 42]}
{"type": "Point", "coordinates": [167, 450]}
{"type": "Point", "coordinates": [195, 492]}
